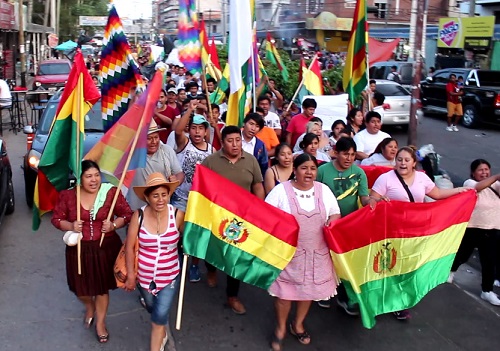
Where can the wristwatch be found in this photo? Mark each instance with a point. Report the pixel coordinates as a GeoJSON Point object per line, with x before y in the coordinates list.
{"type": "Point", "coordinates": [114, 225]}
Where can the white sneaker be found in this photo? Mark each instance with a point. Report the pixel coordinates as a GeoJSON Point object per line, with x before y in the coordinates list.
{"type": "Point", "coordinates": [491, 297]}
{"type": "Point", "coordinates": [496, 283]}
{"type": "Point", "coordinates": [450, 277]}
{"type": "Point", "coordinates": [455, 129]}
{"type": "Point", "coordinates": [449, 129]}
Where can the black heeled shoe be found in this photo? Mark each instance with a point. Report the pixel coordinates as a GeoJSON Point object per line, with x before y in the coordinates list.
{"type": "Point", "coordinates": [87, 322]}
{"type": "Point", "coordinates": [102, 338]}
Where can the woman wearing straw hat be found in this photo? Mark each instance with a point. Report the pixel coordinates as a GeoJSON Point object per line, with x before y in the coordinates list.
{"type": "Point", "coordinates": [93, 285]}
{"type": "Point", "coordinates": [158, 257]}
{"type": "Point", "coordinates": [160, 158]}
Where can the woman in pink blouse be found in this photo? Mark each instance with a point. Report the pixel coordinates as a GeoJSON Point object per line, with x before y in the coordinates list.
{"type": "Point", "coordinates": [97, 261]}
{"type": "Point", "coordinates": [404, 183]}
{"type": "Point", "coordinates": [158, 258]}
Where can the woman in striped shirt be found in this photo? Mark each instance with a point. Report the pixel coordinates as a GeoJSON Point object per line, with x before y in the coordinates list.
{"type": "Point", "coordinates": [158, 259]}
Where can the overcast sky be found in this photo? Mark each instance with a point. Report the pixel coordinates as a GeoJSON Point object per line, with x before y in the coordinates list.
{"type": "Point", "coordinates": [133, 8]}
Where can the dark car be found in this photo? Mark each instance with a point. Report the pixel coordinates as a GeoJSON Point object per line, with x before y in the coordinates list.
{"type": "Point", "coordinates": [380, 70]}
{"type": "Point", "coordinates": [481, 99]}
{"type": "Point", "coordinates": [7, 202]}
{"type": "Point", "coordinates": [52, 74]}
{"type": "Point", "coordinates": [37, 138]}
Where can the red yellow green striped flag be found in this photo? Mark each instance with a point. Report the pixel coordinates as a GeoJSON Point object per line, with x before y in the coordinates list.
{"type": "Point", "coordinates": [274, 57]}
{"type": "Point", "coordinates": [61, 155]}
{"type": "Point", "coordinates": [407, 251]}
{"type": "Point", "coordinates": [224, 226]}
{"type": "Point", "coordinates": [355, 77]}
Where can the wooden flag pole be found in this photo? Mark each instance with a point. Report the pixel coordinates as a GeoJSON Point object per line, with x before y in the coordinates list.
{"type": "Point", "coordinates": [125, 168]}
{"type": "Point", "coordinates": [180, 304]}
{"type": "Point", "coordinates": [78, 166]}
{"type": "Point", "coordinates": [301, 83]}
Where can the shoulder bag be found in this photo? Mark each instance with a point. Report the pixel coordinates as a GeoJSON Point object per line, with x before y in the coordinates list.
{"type": "Point", "coordinates": [120, 267]}
{"type": "Point", "coordinates": [405, 186]}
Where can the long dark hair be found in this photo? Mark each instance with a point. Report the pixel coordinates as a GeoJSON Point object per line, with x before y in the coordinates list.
{"type": "Point", "coordinates": [476, 163]}
{"type": "Point", "coordinates": [381, 146]}
{"type": "Point", "coordinates": [308, 139]}
{"type": "Point", "coordinates": [88, 164]}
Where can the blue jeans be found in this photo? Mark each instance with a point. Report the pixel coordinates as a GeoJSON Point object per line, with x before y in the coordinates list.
{"type": "Point", "coordinates": [178, 202]}
{"type": "Point", "coordinates": [159, 305]}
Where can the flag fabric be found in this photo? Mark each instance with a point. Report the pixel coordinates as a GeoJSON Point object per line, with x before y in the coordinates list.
{"type": "Point", "coordinates": [219, 95]}
{"type": "Point", "coordinates": [112, 151]}
{"type": "Point", "coordinates": [373, 172]}
{"type": "Point", "coordinates": [355, 77]}
{"type": "Point", "coordinates": [205, 46]}
{"type": "Point", "coordinates": [214, 57]}
{"type": "Point", "coordinates": [61, 154]}
{"type": "Point", "coordinates": [313, 81]}
{"type": "Point", "coordinates": [274, 57]}
{"type": "Point", "coordinates": [118, 70]}
{"type": "Point", "coordinates": [188, 36]}
{"type": "Point", "coordinates": [240, 54]}
{"type": "Point", "coordinates": [407, 251]}
{"type": "Point", "coordinates": [223, 228]}
{"type": "Point", "coordinates": [209, 56]}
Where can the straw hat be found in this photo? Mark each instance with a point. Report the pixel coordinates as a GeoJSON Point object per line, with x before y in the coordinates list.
{"type": "Point", "coordinates": [153, 127]}
{"type": "Point", "coordinates": [155, 179]}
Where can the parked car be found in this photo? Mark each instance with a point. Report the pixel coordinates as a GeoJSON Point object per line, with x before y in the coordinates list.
{"type": "Point", "coordinates": [37, 138]}
{"type": "Point", "coordinates": [396, 105]}
{"type": "Point", "coordinates": [7, 200]}
{"type": "Point", "coordinates": [52, 74]}
{"type": "Point", "coordinates": [380, 70]}
{"type": "Point", "coordinates": [481, 99]}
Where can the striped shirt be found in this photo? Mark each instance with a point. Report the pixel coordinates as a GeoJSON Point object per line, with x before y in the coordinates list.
{"type": "Point", "coordinates": [158, 255]}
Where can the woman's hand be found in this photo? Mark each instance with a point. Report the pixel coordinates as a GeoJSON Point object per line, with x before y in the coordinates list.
{"type": "Point", "coordinates": [107, 226]}
{"type": "Point", "coordinates": [77, 226]}
{"type": "Point", "coordinates": [130, 283]}
{"type": "Point", "coordinates": [373, 201]}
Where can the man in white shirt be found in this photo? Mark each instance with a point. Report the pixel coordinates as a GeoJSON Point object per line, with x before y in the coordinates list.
{"type": "Point", "coordinates": [368, 139]}
{"type": "Point", "coordinates": [394, 75]}
{"type": "Point", "coordinates": [252, 124]}
{"type": "Point", "coordinates": [378, 104]}
{"type": "Point", "coordinates": [271, 119]}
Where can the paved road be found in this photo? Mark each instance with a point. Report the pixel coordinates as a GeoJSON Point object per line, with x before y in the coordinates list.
{"type": "Point", "coordinates": [38, 312]}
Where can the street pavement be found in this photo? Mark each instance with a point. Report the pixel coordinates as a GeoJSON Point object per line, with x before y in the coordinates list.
{"type": "Point", "coordinates": [37, 312]}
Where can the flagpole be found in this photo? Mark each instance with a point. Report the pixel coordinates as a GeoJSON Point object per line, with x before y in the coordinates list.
{"type": "Point", "coordinates": [254, 92]}
{"type": "Point", "coordinates": [180, 303]}
{"type": "Point", "coordinates": [78, 163]}
{"type": "Point", "coordinates": [301, 83]}
{"type": "Point", "coordinates": [204, 81]}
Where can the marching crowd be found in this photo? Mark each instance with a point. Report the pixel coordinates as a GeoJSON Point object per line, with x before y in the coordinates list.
{"type": "Point", "coordinates": [282, 155]}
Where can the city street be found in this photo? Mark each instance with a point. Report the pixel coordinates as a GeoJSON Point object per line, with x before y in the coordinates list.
{"type": "Point", "coordinates": [37, 312]}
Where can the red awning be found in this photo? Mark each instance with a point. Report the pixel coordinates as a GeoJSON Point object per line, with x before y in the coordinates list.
{"type": "Point", "coordinates": [381, 51]}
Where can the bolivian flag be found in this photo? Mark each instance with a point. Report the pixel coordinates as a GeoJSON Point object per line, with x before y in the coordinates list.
{"type": "Point", "coordinates": [236, 232]}
{"type": "Point", "coordinates": [400, 252]}
{"type": "Point", "coordinates": [64, 149]}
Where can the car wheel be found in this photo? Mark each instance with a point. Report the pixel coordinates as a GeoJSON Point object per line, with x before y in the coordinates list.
{"type": "Point", "coordinates": [11, 203]}
{"type": "Point", "coordinates": [29, 188]}
{"type": "Point", "coordinates": [470, 118]}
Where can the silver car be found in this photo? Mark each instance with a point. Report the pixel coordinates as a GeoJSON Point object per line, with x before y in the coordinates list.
{"type": "Point", "coordinates": [397, 103]}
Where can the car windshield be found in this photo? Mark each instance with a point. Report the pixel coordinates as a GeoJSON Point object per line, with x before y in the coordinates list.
{"type": "Point", "coordinates": [54, 68]}
{"type": "Point", "coordinates": [392, 90]}
{"type": "Point", "coordinates": [93, 119]}
{"type": "Point", "coordinates": [489, 78]}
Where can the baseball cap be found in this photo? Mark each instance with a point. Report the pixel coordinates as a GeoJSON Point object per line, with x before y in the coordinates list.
{"type": "Point", "coordinates": [172, 90]}
{"type": "Point", "coordinates": [199, 119]}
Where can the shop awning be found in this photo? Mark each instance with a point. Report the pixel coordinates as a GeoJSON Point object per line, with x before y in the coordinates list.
{"type": "Point", "coordinates": [67, 45]}
{"type": "Point", "coordinates": [381, 51]}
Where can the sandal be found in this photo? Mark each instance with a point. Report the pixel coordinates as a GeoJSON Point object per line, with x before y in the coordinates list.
{"type": "Point", "coordinates": [102, 338]}
{"type": "Point", "coordinates": [87, 322]}
{"type": "Point", "coordinates": [276, 343]}
{"type": "Point", "coordinates": [304, 338]}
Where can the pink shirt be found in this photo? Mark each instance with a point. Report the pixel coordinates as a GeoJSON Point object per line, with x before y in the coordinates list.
{"type": "Point", "coordinates": [486, 214]}
{"type": "Point", "coordinates": [297, 126]}
{"type": "Point", "coordinates": [389, 185]}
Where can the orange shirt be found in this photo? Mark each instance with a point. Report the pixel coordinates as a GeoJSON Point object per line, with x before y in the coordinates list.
{"type": "Point", "coordinates": [268, 137]}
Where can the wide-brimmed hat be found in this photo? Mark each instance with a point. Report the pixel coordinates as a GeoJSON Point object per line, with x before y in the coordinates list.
{"type": "Point", "coordinates": [153, 127]}
{"type": "Point", "coordinates": [155, 179]}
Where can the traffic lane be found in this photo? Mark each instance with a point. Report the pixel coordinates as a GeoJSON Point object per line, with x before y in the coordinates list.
{"type": "Point", "coordinates": [446, 319]}
{"type": "Point", "coordinates": [37, 310]}
{"type": "Point", "coordinates": [457, 149]}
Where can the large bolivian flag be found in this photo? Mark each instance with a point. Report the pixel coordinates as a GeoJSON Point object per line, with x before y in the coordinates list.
{"type": "Point", "coordinates": [237, 232]}
{"type": "Point", "coordinates": [61, 154]}
{"type": "Point", "coordinates": [405, 250]}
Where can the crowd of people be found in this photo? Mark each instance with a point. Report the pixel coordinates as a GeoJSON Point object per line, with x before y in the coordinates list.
{"type": "Point", "coordinates": [282, 155]}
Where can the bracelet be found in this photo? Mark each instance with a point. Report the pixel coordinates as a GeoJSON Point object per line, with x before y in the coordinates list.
{"type": "Point", "coordinates": [114, 225]}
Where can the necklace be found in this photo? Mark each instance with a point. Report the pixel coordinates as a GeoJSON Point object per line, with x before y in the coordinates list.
{"type": "Point", "coordinates": [157, 222]}
{"type": "Point", "coordinates": [303, 193]}
{"type": "Point", "coordinates": [304, 196]}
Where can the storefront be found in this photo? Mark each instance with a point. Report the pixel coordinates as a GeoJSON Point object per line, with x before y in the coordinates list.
{"type": "Point", "coordinates": [332, 32]}
{"type": "Point", "coordinates": [8, 37]}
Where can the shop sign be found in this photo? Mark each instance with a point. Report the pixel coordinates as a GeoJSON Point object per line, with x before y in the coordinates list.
{"type": "Point", "coordinates": [7, 19]}
{"type": "Point", "coordinates": [462, 32]}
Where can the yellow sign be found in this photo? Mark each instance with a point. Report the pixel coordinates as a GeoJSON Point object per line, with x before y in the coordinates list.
{"type": "Point", "coordinates": [453, 32]}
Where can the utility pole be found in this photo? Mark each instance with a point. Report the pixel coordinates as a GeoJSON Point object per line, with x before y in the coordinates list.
{"type": "Point", "coordinates": [472, 8]}
{"type": "Point", "coordinates": [21, 44]}
{"type": "Point", "coordinates": [420, 7]}
{"type": "Point", "coordinates": [58, 16]}
{"type": "Point", "coordinates": [224, 17]}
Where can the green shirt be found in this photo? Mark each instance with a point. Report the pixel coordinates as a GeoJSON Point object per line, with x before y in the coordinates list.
{"type": "Point", "coordinates": [347, 186]}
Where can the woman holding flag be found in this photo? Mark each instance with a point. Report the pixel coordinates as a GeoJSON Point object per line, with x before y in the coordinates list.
{"type": "Point", "coordinates": [310, 274]}
{"type": "Point", "coordinates": [96, 279]}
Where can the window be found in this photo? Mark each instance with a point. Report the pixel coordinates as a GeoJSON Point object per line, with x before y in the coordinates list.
{"type": "Point", "coordinates": [54, 68]}
{"type": "Point", "coordinates": [382, 9]}
{"type": "Point", "coordinates": [392, 90]}
{"type": "Point", "coordinates": [442, 77]}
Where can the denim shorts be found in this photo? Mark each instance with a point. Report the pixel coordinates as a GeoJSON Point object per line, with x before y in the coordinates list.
{"type": "Point", "coordinates": [159, 305]}
{"type": "Point", "coordinates": [178, 203]}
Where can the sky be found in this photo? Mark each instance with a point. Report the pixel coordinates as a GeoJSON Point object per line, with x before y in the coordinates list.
{"type": "Point", "coordinates": [133, 8]}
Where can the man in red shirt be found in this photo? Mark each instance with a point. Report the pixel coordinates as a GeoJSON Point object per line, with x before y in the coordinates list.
{"type": "Point", "coordinates": [454, 103]}
{"type": "Point", "coordinates": [297, 125]}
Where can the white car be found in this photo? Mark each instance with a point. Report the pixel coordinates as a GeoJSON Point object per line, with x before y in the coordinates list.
{"type": "Point", "coordinates": [397, 103]}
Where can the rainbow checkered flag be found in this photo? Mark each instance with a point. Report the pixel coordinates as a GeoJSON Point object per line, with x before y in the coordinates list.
{"type": "Point", "coordinates": [118, 70]}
